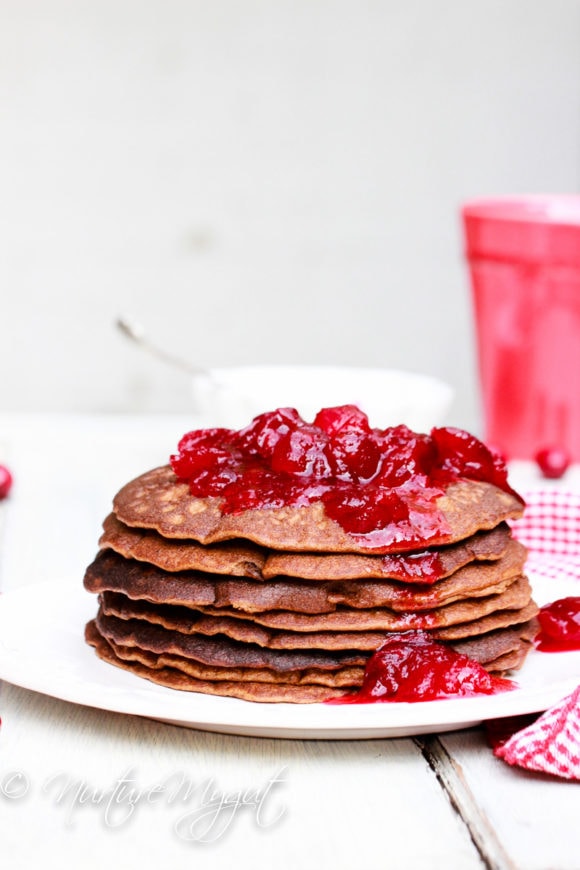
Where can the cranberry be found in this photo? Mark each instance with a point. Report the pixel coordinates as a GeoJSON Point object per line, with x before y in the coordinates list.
{"type": "Point", "coordinates": [5, 482]}
{"type": "Point", "coordinates": [552, 462]}
{"type": "Point", "coordinates": [191, 441]}
{"type": "Point", "coordinates": [462, 454]}
{"type": "Point", "coordinates": [404, 455]}
{"type": "Point", "coordinates": [344, 418]}
{"type": "Point", "coordinates": [355, 456]}
{"type": "Point", "coordinates": [265, 430]}
{"type": "Point", "coordinates": [205, 458]}
{"type": "Point", "coordinates": [212, 481]}
{"type": "Point", "coordinates": [302, 452]}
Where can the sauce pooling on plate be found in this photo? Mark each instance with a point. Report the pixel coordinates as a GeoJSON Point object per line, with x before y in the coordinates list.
{"type": "Point", "coordinates": [411, 666]}
{"type": "Point", "coordinates": [559, 625]}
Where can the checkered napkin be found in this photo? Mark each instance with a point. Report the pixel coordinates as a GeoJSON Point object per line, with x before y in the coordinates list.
{"type": "Point", "coordinates": [551, 744]}
{"type": "Point", "coordinates": [550, 529]}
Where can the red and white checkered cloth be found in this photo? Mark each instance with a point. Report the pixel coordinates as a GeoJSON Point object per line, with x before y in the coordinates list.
{"type": "Point", "coordinates": [551, 744]}
{"type": "Point", "coordinates": [550, 529]}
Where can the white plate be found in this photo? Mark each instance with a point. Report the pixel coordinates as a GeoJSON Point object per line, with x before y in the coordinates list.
{"type": "Point", "coordinates": [42, 648]}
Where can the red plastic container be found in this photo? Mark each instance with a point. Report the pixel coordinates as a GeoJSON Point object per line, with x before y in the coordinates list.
{"type": "Point", "coordinates": [524, 259]}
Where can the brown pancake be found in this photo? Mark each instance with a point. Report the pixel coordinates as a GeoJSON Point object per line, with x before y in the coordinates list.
{"type": "Point", "coordinates": [497, 619]}
{"type": "Point", "coordinates": [371, 640]}
{"type": "Point", "coordinates": [184, 620]}
{"type": "Point", "coordinates": [503, 665]}
{"type": "Point", "coordinates": [517, 595]}
{"type": "Point", "coordinates": [499, 642]}
{"type": "Point", "coordinates": [347, 676]}
{"type": "Point", "coordinates": [137, 580]}
{"type": "Point", "coordinates": [237, 558]}
{"type": "Point", "coordinates": [497, 650]}
{"type": "Point", "coordinates": [423, 567]}
{"type": "Point", "coordinates": [244, 630]}
{"type": "Point", "coordinates": [244, 559]}
{"type": "Point", "coordinates": [247, 691]}
{"type": "Point", "coordinates": [175, 671]}
{"type": "Point", "coordinates": [220, 650]}
{"type": "Point", "coordinates": [158, 500]}
{"type": "Point", "coordinates": [503, 650]}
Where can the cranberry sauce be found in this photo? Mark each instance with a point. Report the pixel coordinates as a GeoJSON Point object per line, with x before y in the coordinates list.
{"type": "Point", "coordinates": [425, 567]}
{"type": "Point", "coordinates": [411, 666]}
{"type": "Point", "coordinates": [559, 626]}
{"type": "Point", "coordinates": [380, 485]}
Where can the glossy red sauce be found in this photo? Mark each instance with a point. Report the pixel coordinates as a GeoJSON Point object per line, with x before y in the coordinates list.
{"type": "Point", "coordinates": [411, 666]}
{"type": "Point", "coordinates": [559, 625]}
{"type": "Point", "coordinates": [424, 567]}
{"type": "Point", "coordinates": [380, 485]}
{"type": "Point", "coordinates": [406, 598]}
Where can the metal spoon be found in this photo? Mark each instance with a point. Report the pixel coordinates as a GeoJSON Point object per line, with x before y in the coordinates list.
{"type": "Point", "coordinates": [137, 334]}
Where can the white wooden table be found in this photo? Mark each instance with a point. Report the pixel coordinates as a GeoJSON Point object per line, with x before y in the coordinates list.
{"type": "Point", "coordinates": [433, 802]}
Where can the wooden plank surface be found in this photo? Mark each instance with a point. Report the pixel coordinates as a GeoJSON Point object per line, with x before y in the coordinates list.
{"type": "Point", "coordinates": [536, 818]}
{"type": "Point", "coordinates": [317, 804]}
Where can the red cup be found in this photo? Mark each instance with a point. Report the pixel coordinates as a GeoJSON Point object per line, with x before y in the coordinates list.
{"type": "Point", "coordinates": [524, 259]}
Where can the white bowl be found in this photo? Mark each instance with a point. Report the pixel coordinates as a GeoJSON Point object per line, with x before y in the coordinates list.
{"type": "Point", "coordinates": [232, 397]}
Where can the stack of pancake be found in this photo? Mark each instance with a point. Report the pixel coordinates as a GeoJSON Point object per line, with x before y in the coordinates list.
{"type": "Point", "coordinates": [283, 605]}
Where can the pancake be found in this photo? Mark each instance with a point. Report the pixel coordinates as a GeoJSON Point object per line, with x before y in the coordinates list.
{"type": "Point", "coordinates": [186, 621]}
{"type": "Point", "coordinates": [171, 677]}
{"type": "Point", "coordinates": [223, 652]}
{"type": "Point", "coordinates": [237, 558]}
{"type": "Point", "coordinates": [159, 500]}
{"type": "Point", "coordinates": [341, 676]}
{"type": "Point", "coordinates": [499, 642]}
{"type": "Point", "coordinates": [111, 572]}
{"type": "Point", "coordinates": [492, 650]}
{"type": "Point", "coordinates": [483, 624]}
{"type": "Point", "coordinates": [175, 676]}
{"type": "Point", "coordinates": [220, 650]}
{"type": "Point", "coordinates": [242, 559]}
{"type": "Point", "coordinates": [426, 566]}
{"type": "Point", "coordinates": [517, 595]}
{"type": "Point", "coordinates": [371, 640]}
{"type": "Point", "coordinates": [496, 652]}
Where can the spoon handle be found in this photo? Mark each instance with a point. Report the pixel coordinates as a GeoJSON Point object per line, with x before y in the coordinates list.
{"type": "Point", "coordinates": [137, 334]}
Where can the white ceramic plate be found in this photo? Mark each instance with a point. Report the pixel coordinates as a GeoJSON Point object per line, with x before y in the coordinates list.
{"type": "Point", "coordinates": [233, 396]}
{"type": "Point", "coordinates": [42, 648]}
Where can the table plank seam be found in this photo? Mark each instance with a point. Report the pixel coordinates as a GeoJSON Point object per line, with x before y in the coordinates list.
{"type": "Point", "coordinates": [452, 780]}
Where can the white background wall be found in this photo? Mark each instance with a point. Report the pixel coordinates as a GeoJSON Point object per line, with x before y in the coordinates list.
{"type": "Point", "coordinates": [261, 181]}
